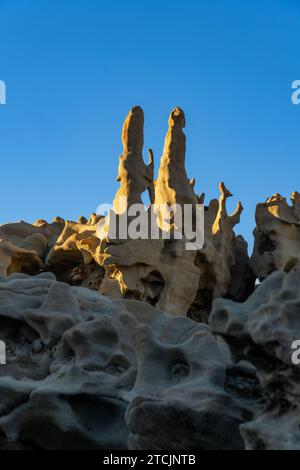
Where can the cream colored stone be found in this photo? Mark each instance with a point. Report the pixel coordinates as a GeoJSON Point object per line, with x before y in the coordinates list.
{"type": "Point", "coordinates": [172, 185]}
{"type": "Point", "coordinates": [159, 271]}
{"type": "Point", "coordinates": [23, 246]}
{"type": "Point", "coordinates": [277, 235]}
{"type": "Point", "coordinates": [134, 175]}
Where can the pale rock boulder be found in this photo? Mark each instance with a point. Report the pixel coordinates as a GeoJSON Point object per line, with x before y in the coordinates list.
{"type": "Point", "coordinates": [23, 246]}
{"type": "Point", "coordinates": [75, 257]}
{"type": "Point", "coordinates": [76, 244]}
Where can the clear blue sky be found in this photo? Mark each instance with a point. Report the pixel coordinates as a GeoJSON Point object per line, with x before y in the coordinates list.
{"type": "Point", "coordinates": [74, 68]}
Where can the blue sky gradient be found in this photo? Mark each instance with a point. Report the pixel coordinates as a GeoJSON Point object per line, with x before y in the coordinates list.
{"type": "Point", "coordinates": [73, 69]}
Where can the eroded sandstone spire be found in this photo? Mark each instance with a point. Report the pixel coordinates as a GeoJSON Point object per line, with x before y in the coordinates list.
{"type": "Point", "coordinates": [172, 185]}
{"type": "Point", "coordinates": [158, 270]}
{"type": "Point", "coordinates": [134, 175]}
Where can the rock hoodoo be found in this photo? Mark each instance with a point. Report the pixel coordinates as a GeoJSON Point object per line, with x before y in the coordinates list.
{"type": "Point", "coordinates": [139, 343]}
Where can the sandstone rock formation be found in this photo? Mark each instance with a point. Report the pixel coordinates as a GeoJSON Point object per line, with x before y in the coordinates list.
{"type": "Point", "coordinates": [23, 246]}
{"type": "Point", "coordinates": [100, 353]}
{"type": "Point", "coordinates": [172, 185]}
{"type": "Point", "coordinates": [262, 329]}
{"type": "Point", "coordinates": [219, 256]}
{"type": "Point", "coordinates": [277, 235]}
{"type": "Point", "coordinates": [160, 271]}
{"type": "Point", "coordinates": [134, 176]}
{"type": "Point", "coordinates": [85, 372]}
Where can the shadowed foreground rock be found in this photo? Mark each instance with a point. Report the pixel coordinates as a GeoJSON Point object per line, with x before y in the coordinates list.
{"type": "Point", "coordinates": [85, 372]}
{"type": "Point", "coordinates": [263, 329]}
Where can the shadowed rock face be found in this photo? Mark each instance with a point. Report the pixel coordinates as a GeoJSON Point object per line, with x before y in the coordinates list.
{"type": "Point", "coordinates": [84, 371]}
{"type": "Point", "coordinates": [178, 400]}
{"type": "Point", "coordinates": [263, 329]}
{"type": "Point", "coordinates": [218, 257]}
{"type": "Point", "coordinates": [277, 235]}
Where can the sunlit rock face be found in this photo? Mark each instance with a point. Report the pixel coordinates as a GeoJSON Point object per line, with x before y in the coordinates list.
{"type": "Point", "coordinates": [134, 176]}
{"type": "Point", "coordinates": [85, 372]}
{"type": "Point", "coordinates": [263, 329]}
{"type": "Point", "coordinates": [23, 246]}
{"type": "Point", "coordinates": [160, 271]}
{"type": "Point", "coordinates": [277, 235]}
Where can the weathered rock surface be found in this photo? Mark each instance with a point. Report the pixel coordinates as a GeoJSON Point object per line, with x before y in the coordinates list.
{"type": "Point", "coordinates": [172, 185]}
{"type": "Point", "coordinates": [277, 235]}
{"type": "Point", "coordinates": [134, 176]}
{"type": "Point", "coordinates": [218, 257]}
{"type": "Point", "coordinates": [101, 353]}
{"type": "Point", "coordinates": [85, 372]}
{"type": "Point", "coordinates": [23, 246]}
{"type": "Point", "coordinates": [162, 272]}
{"type": "Point", "coordinates": [158, 270]}
{"type": "Point", "coordinates": [263, 329]}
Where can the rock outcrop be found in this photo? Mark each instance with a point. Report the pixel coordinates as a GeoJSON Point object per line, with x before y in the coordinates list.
{"type": "Point", "coordinates": [134, 176]}
{"type": "Point", "coordinates": [23, 246]}
{"type": "Point", "coordinates": [97, 321]}
{"type": "Point", "coordinates": [172, 185]}
{"type": "Point", "coordinates": [263, 330]}
{"type": "Point", "coordinates": [87, 372]}
{"type": "Point", "coordinates": [161, 271]}
{"type": "Point", "coordinates": [277, 235]}
{"type": "Point", "coordinates": [218, 257]}
{"type": "Point", "coordinates": [157, 269]}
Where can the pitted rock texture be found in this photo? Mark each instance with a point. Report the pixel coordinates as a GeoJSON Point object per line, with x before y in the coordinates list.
{"type": "Point", "coordinates": [263, 330]}
{"type": "Point", "coordinates": [87, 372]}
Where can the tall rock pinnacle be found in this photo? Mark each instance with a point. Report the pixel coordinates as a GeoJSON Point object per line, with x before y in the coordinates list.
{"type": "Point", "coordinates": [133, 174]}
{"type": "Point", "coordinates": [172, 185]}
